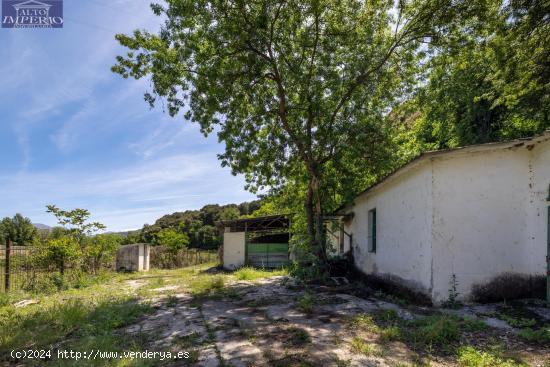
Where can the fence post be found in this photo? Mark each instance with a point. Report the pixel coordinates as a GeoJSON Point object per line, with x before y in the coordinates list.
{"type": "Point", "coordinates": [7, 267]}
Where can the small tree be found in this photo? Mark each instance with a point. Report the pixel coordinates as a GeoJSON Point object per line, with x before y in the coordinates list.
{"type": "Point", "coordinates": [101, 248]}
{"type": "Point", "coordinates": [76, 222]}
{"type": "Point", "coordinates": [60, 252]}
{"type": "Point", "coordinates": [172, 239]}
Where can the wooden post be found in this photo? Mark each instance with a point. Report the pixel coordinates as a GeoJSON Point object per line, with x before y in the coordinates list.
{"type": "Point", "coordinates": [7, 277]}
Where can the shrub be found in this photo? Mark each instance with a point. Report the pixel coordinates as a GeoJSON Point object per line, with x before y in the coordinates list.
{"type": "Point", "coordinates": [61, 252]}
{"type": "Point", "coordinates": [298, 337]}
{"type": "Point", "coordinates": [536, 336]}
{"type": "Point", "coordinates": [100, 251]}
{"type": "Point", "coordinates": [509, 286]}
{"type": "Point", "coordinates": [305, 303]}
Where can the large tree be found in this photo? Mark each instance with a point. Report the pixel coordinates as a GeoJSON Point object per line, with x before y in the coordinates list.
{"type": "Point", "coordinates": [293, 88]}
{"type": "Point", "coordinates": [494, 83]}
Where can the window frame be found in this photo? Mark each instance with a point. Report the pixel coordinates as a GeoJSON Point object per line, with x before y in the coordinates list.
{"type": "Point", "coordinates": [371, 231]}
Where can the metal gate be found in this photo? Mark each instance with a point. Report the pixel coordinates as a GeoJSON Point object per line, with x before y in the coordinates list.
{"type": "Point", "coordinates": [267, 255]}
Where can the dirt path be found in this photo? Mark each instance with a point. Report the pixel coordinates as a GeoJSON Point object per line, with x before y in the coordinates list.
{"type": "Point", "coordinates": [268, 323]}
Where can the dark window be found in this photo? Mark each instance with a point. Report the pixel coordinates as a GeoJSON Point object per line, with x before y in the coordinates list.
{"type": "Point", "coordinates": [372, 231]}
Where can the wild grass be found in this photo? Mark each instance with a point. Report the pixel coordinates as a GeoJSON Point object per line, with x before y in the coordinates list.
{"type": "Point", "coordinates": [250, 273]}
{"type": "Point", "coordinates": [362, 321]}
{"type": "Point", "coordinates": [358, 345]}
{"type": "Point", "coordinates": [206, 285]}
{"type": "Point", "coordinates": [82, 318]}
{"type": "Point", "coordinates": [471, 357]}
{"type": "Point", "coordinates": [435, 330]}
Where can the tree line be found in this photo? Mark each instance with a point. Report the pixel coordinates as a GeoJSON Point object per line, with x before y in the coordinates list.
{"type": "Point", "coordinates": [192, 228]}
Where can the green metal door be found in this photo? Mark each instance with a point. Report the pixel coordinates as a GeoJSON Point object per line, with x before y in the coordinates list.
{"type": "Point", "coordinates": [267, 255]}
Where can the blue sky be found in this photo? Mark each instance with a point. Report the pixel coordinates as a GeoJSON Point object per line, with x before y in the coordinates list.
{"type": "Point", "coordinates": [76, 135]}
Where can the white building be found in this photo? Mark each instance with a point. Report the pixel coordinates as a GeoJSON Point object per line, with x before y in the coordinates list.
{"type": "Point", "coordinates": [475, 212]}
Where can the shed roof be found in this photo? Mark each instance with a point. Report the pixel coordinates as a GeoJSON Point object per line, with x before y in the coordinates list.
{"type": "Point", "coordinates": [531, 141]}
{"type": "Point", "coordinates": [258, 224]}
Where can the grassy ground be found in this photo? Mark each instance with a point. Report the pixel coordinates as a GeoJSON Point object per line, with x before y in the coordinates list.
{"type": "Point", "coordinates": [99, 313]}
{"type": "Point", "coordinates": [92, 315]}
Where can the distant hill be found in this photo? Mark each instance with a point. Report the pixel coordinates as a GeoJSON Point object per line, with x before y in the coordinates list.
{"type": "Point", "coordinates": [41, 226]}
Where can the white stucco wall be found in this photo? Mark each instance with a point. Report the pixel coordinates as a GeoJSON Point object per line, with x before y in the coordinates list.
{"type": "Point", "coordinates": [233, 249]}
{"type": "Point", "coordinates": [480, 218]}
{"type": "Point", "coordinates": [403, 210]}
{"type": "Point", "coordinates": [474, 213]}
{"type": "Point", "coordinates": [538, 213]}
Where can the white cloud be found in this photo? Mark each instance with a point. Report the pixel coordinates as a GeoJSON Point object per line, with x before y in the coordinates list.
{"type": "Point", "coordinates": [127, 197]}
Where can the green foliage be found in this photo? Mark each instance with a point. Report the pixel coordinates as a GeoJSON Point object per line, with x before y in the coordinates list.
{"type": "Point", "coordinates": [298, 337]}
{"type": "Point", "coordinates": [389, 334]}
{"type": "Point", "coordinates": [538, 336]}
{"type": "Point", "coordinates": [452, 301]}
{"type": "Point", "coordinates": [306, 303]}
{"type": "Point", "coordinates": [436, 330]}
{"type": "Point", "coordinates": [298, 91]}
{"type": "Point", "coordinates": [172, 240]}
{"type": "Point", "coordinates": [61, 253]}
{"type": "Point", "coordinates": [75, 222]}
{"type": "Point", "coordinates": [362, 321]}
{"type": "Point", "coordinates": [249, 273]}
{"type": "Point", "coordinates": [491, 82]}
{"type": "Point", "coordinates": [358, 345]}
{"type": "Point", "coordinates": [206, 285]}
{"type": "Point", "coordinates": [100, 250]}
{"type": "Point", "coordinates": [89, 315]}
{"type": "Point", "coordinates": [18, 229]}
{"type": "Point", "coordinates": [198, 225]}
{"type": "Point", "coordinates": [518, 322]}
{"type": "Point", "coordinates": [471, 357]}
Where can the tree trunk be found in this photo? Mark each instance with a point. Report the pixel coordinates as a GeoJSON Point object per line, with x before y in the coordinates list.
{"type": "Point", "coordinates": [309, 214]}
{"type": "Point", "coordinates": [319, 241]}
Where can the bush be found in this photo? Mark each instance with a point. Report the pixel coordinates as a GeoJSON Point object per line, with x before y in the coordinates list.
{"type": "Point", "coordinates": [510, 286]}
{"type": "Point", "coordinates": [305, 303]}
{"type": "Point", "coordinates": [436, 330]}
{"type": "Point", "coordinates": [61, 252]}
{"type": "Point", "coordinates": [535, 336]}
{"type": "Point", "coordinates": [171, 239]}
{"type": "Point", "coordinates": [100, 251]}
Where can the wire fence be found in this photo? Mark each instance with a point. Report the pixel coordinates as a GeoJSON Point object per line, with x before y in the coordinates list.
{"type": "Point", "coordinates": [163, 258]}
{"type": "Point", "coordinates": [19, 269]}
